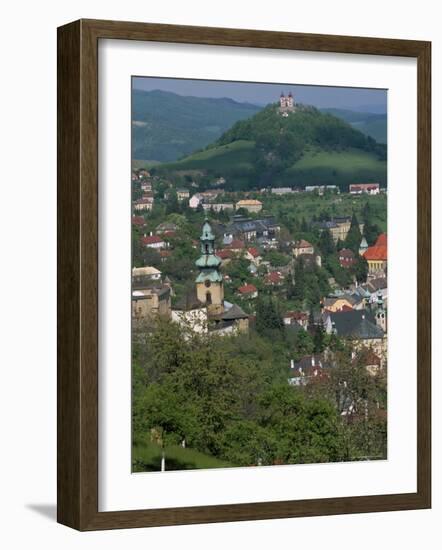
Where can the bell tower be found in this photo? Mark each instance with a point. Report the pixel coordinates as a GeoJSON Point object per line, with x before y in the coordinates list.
{"type": "Point", "coordinates": [209, 282]}
{"type": "Point", "coordinates": [381, 314]}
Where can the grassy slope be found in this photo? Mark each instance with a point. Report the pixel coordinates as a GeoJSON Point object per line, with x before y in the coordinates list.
{"type": "Point", "coordinates": [314, 168]}
{"type": "Point", "coordinates": [147, 458]}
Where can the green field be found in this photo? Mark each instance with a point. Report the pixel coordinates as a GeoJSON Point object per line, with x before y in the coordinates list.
{"type": "Point", "coordinates": [147, 458]}
{"type": "Point", "coordinates": [337, 168]}
{"type": "Point", "coordinates": [237, 154]}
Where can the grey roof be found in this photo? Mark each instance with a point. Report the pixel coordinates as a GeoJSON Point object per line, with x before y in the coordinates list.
{"type": "Point", "coordinates": [234, 312]}
{"type": "Point", "coordinates": [378, 284]}
{"type": "Point", "coordinates": [188, 302]}
{"type": "Point", "coordinates": [356, 324]}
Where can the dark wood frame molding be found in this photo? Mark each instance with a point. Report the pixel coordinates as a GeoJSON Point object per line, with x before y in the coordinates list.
{"type": "Point", "coordinates": [77, 458]}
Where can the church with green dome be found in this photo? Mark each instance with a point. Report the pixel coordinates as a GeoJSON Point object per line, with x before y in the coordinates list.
{"type": "Point", "coordinates": [209, 282]}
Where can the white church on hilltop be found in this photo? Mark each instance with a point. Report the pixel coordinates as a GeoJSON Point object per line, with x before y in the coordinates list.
{"type": "Point", "coordinates": [286, 104]}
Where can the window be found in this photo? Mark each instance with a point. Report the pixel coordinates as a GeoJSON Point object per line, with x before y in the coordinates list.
{"type": "Point", "coordinates": [208, 298]}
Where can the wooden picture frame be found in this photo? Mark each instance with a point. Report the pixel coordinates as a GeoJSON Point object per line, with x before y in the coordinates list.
{"type": "Point", "coordinates": [78, 274]}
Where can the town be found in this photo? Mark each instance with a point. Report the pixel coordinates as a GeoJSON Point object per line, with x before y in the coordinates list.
{"type": "Point", "coordinates": [333, 284]}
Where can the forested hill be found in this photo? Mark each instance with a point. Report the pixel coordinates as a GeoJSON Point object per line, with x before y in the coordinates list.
{"type": "Point", "coordinates": [167, 126]}
{"type": "Point", "coordinates": [307, 147]}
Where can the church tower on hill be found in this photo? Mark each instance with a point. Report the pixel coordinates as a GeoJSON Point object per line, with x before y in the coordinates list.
{"type": "Point", "coordinates": [286, 104]}
{"type": "Point", "coordinates": [209, 282]}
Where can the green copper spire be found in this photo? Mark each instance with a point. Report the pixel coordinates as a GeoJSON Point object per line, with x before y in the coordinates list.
{"type": "Point", "coordinates": [208, 263]}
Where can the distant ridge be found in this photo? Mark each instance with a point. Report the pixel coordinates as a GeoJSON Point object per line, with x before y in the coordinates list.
{"type": "Point", "coordinates": [168, 126]}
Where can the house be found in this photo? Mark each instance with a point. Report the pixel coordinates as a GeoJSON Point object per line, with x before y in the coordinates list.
{"type": "Point", "coordinates": [254, 255]}
{"type": "Point", "coordinates": [251, 205]}
{"type": "Point", "coordinates": [147, 273]}
{"type": "Point", "coordinates": [145, 203]}
{"type": "Point", "coordinates": [274, 278]}
{"type": "Point", "coordinates": [138, 221]}
{"type": "Point", "coordinates": [182, 194]}
{"type": "Point", "coordinates": [321, 189]}
{"type": "Point", "coordinates": [153, 241]}
{"type": "Point", "coordinates": [237, 246]}
{"type": "Point", "coordinates": [338, 227]}
{"type": "Point", "coordinates": [360, 326]}
{"type": "Point", "coordinates": [367, 358]}
{"type": "Point", "coordinates": [233, 319]}
{"type": "Point", "coordinates": [248, 291]}
{"type": "Point", "coordinates": [300, 317]}
{"type": "Point", "coordinates": [146, 186]}
{"type": "Point", "coordinates": [367, 188]}
{"type": "Point", "coordinates": [376, 255]}
{"type": "Point", "coordinates": [195, 200]}
{"type": "Point", "coordinates": [211, 194]}
{"type": "Point", "coordinates": [165, 227]}
{"type": "Point", "coordinates": [251, 230]}
{"type": "Point", "coordinates": [346, 258]}
{"type": "Point", "coordinates": [148, 302]}
{"type": "Point", "coordinates": [343, 301]}
{"type": "Point", "coordinates": [218, 206]}
{"type": "Point", "coordinates": [303, 247]}
{"type": "Point", "coordinates": [310, 368]}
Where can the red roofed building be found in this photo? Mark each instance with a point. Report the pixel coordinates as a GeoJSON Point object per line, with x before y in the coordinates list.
{"type": "Point", "coordinates": [153, 241]}
{"type": "Point", "coordinates": [376, 255]}
{"type": "Point", "coordinates": [248, 291]}
{"type": "Point", "coordinates": [303, 247]}
{"type": "Point", "coordinates": [274, 278]}
{"type": "Point", "coordinates": [138, 221]}
{"type": "Point", "coordinates": [236, 245]}
{"type": "Point", "coordinates": [254, 255]}
{"type": "Point", "coordinates": [346, 258]}
{"type": "Point", "coordinates": [300, 317]}
{"type": "Point", "coordinates": [369, 188]}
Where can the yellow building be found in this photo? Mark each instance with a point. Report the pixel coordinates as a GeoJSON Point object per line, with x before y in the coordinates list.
{"type": "Point", "coordinates": [251, 205]}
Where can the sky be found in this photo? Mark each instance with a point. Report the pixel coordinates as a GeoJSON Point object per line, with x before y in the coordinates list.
{"type": "Point", "coordinates": [357, 99]}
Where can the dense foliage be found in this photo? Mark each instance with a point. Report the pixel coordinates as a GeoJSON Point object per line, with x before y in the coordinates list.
{"type": "Point", "coordinates": [228, 397]}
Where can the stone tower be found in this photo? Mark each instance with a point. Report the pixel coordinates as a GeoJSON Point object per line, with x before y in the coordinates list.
{"type": "Point", "coordinates": [286, 104]}
{"type": "Point", "coordinates": [209, 282]}
{"type": "Point", "coordinates": [381, 314]}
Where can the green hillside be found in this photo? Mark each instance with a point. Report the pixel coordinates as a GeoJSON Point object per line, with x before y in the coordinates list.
{"type": "Point", "coordinates": [306, 148]}
{"type": "Point", "coordinates": [370, 124]}
{"type": "Point", "coordinates": [167, 126]}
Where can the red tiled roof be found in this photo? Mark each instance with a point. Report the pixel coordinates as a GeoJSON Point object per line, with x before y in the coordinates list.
{"type": "Point", "coordinates": [236, 243]}
{"type": "Point", "coordinates": [247, 289]}
{"type": "Point", "coordinates": [381, 240]}
{"type": "Point", "coordinates": [368, 186]}
{"type": "Point", "coordinates": [274, 277]}
{"type": "Point", "coordinates": [374, 253]}
{"type": "Point", "coordinates": [165, 253]}
{"type": "Point", "coordinates": [138, 220]}
{"type": "Point", "coordinates": [224, 253]}
{"type": "Point", "coordinates": [151, 239]}
{"type": "Point", "coordinates": [254, 252]}
{"type": "Point", "coordinates": [346, 253]}
{"type": "Point", "coordinates": [296, 315]}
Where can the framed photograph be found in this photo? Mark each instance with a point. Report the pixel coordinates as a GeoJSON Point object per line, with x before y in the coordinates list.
{"type": "Point", "coordinates": [243, 275]}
